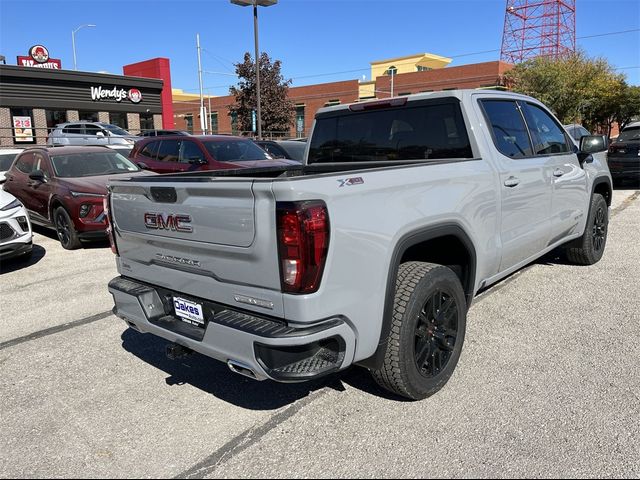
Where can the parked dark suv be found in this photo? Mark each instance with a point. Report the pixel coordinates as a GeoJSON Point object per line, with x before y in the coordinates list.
{"type": "Point", "coordinates": [63, 188]}
{"type": "Point", "coordinates": [203, 152]}
{"type": "Point", "coordinates": [624, 155]}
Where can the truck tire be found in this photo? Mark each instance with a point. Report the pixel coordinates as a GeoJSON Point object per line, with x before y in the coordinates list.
{"type": "Point", "coordinates": [589, 248]}
{"type": "Point", "coordinates": [65, 229]}
{"type": "Point", "coordinates": [427, 331]}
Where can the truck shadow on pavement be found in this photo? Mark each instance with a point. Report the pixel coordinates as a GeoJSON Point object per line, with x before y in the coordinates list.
{"type": "Point", "coordinates": [214, 377]}
{"type": "Point", "coordinates": [18, 263]}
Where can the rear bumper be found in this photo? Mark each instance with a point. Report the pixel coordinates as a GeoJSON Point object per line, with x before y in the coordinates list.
{"type": "Point", "coordinates": [269, 348]}
{"type": "Point", "coordinates": [621, 166]}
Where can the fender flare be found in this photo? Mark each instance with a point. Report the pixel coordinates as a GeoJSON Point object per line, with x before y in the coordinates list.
{"type": "Point", "coordinates": [407, 241]}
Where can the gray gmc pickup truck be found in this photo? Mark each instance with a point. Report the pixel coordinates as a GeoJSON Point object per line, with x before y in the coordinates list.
{"type": "Point", "coordinates": [371, 251]}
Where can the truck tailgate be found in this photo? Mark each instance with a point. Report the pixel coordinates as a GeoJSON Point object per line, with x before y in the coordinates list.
{"type": "Point", "coordinates": [213, 239]}
{"type": "Point", "coordinates": [220, 213]}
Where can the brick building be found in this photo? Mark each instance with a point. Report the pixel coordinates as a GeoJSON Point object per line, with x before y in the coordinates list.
{"type": "Point", "coordinates": [411, 74]}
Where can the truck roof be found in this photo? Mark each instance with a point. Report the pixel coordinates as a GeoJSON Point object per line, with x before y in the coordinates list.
{"type": "Point", "coordinates": [459, 94]}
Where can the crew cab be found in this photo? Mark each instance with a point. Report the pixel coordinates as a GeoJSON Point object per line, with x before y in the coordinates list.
{"type": "Point", "coordinates": [368, 253]}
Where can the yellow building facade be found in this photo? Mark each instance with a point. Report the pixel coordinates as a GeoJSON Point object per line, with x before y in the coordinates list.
{"type": "Point", "coordinates": [407, 64]}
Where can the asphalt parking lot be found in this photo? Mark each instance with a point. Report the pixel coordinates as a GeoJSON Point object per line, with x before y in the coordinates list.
{"type": "Point", "coordinates": [548, 385]}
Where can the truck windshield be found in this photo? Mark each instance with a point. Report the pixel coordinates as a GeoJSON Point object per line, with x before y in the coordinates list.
{"type": "Point", "coordinates": [422, 132]}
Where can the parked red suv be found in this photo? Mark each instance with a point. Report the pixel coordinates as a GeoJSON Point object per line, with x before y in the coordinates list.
{"type": "Point", "coordinates": [204, 152]}
{"type": "Point", "coordinates": [63, 188]}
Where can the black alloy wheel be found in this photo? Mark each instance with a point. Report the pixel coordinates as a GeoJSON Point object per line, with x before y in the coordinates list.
{"type": "Point", "coordinates": [589, 248]}
{"type": "Point", "coordinates": [436, 332]}
{"type": "Point", "coordinates": [65, 229]}
{"type": "Point", "coordinates": [599, 229]}
{"type": "Point", "coordinates": [426, 331]}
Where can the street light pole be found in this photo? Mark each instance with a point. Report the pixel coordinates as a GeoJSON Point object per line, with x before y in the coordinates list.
{"type": "Point", "coordinates": [256, 3]}
{"type": "Point", "coordinates": [73, 43]}
{"type": "Point", "coordinates": [255, 35]}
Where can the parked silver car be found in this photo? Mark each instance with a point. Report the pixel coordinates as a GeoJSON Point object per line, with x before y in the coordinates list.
{"type": "Point", "coordinates": [89, 133]}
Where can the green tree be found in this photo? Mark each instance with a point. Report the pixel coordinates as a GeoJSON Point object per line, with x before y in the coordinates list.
{"type": "Point", "coordinates": [277, 111]}
{"type": "Point", "coordinates": [577, 88]}
{"type": "Point", "coordinates": [629, 106]}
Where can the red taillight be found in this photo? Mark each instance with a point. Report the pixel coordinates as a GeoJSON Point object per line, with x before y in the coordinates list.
{"type": "Point", "coordinates": [107, 214]}
{"type": "Point", "coordinates": [303, 242]}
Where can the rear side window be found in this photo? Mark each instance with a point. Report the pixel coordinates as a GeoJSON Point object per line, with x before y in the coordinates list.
{"type": "Point", "coordinates": [548, 137]}
{"type": "Point", "coordinates": [150, 149]}
{"type": "Point", "coordinates": [92, 129]}
{"type": "Point", "coordinates": [74, 128]}
{"type": "Point", "coordinates": [423, 132]}
{"type": "Point", "coordinates": [509, 130]}
{"type": "Point", "coordinates": [6, 159]}
{"type": "Point", "coordinates": [26, 163]}
{"type": "Point", "coordinates": [274, 150]}
{"type": "Point", "coordinates": [168, 151]}
{"type": "Point", "coordinates": [190, 152]}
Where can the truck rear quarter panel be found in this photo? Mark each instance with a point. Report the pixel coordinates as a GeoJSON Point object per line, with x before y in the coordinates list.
{"type": "Point", "coordinates": [368, 217]}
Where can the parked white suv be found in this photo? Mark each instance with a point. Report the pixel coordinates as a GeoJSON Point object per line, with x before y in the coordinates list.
{"type": "Point", "coordinates": [15, 227]}
{"type": "Point", "coordinates": [90, 133]}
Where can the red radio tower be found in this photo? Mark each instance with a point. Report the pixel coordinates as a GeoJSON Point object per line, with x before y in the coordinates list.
{"type": "Point", "coordinates": [538, 27]}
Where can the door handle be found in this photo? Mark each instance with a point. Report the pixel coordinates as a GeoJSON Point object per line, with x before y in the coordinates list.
{"type": "Point", "coordinates": [511, 182]}
{"type": "Point", "coordinates": [558, 172]}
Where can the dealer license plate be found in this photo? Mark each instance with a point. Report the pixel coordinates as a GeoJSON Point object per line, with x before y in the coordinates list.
{"type": "Point", "coordinates": [189, 312]}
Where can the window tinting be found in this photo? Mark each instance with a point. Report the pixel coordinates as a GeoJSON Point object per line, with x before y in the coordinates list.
{"type": "Point", "coordinates": [408, 133]}
{"type": "Point", "coordinates": [190, 152]}
{"type": "Point", "coordinates": [73, 128]}
{"type": "Point", "coordinates": [509, 131]}
{"type": "Point", "coordinates": [274, 150]}
{"type": "Point", "coordinates": [26, 163]}
{"type": "Point", "coordinates": [150, 150]}
{"type": "Point", "coordinates": [115, 129]}
{"type": "Point", "coordinates": [92, 129]}
{"type": "Point", "coordinates": [629, 134]}
{"type": "Point", "coordinates": [169, 151]}
{"type": "Point", "coordinates": [6, 159]}
{"type": "Point", "coordinates": [235, 151]}
{"type": "Point", "coordinates": [548, 137]}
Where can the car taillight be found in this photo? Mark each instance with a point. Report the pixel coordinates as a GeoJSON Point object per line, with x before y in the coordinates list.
{"type": "Point", "coordinates": [303, 242]}
{"type": "Point", "coordinates": [107, 214]}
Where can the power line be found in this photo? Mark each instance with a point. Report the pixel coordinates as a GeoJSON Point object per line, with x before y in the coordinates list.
{"type": "Point", "coordinates": [462, 55]}
{"type": "Point", "coordinates": [326, 74]}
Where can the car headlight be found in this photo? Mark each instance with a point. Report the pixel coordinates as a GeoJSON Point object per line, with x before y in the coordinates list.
{"type": "Point", "coordinates": [15, 204]}
{"type": "Point", "coordinates": [85, 194]}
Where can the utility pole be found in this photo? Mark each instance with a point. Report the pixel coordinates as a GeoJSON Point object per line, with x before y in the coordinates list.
{"type": "Point", "coordinates": [203, 111]}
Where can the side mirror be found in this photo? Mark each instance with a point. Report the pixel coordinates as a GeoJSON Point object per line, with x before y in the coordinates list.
{"type": "Point", "coordinates": [99, 134]}
{"type": "Point", "coordinates": [143, 165]}
{"type": "Point", "coordinates": [38, 176]}
{"type": "Point", "coordinates": [197, 161]}
{"type": "Point", "coordinates": [593, 144]}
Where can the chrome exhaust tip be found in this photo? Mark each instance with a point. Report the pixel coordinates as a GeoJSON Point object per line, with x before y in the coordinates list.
{"type": "Point", "coordinates": [241, 369]}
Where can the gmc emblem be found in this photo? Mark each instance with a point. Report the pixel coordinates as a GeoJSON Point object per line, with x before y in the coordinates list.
{"type": "Point", "coordinates": [175, 222]}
